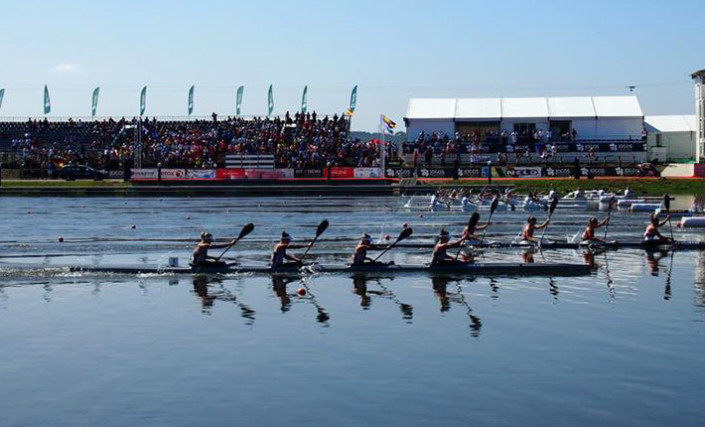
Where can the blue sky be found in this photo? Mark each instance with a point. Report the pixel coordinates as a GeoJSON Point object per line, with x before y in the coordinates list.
{"type": "Point", "coordinates": [394, 50]}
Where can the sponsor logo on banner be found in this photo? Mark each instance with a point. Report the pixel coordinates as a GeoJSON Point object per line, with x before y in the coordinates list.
{"type": "Point", "coordinates": [367, 173]}
{"type": "Point", "coordinates": [434, 173]}
{"type": "Point", "coordinates": [559, 172]}
{"type": "Point", "coordinates": [340, 172]}
{"type": "Point", "coordinates": [116, 174]}
{"type": "Point", "coordinates": [173, 173]}
{"type": "Point", "coordinates": [230, 174]}
{"type": "Point", "coordinates": [524, 172]}
{"type": "Point", "coordinates": [307, 173]}
{"type": "Point", "coordinates": [144, 174]}
{"type": "Point", "coordinates": [201, 174]}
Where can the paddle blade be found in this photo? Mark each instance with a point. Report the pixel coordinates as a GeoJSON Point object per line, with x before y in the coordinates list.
{"type": "Point", "coordinates": [246, 230]}
{"type": "Point", "coordinates": [322, 227]}
{"type": "Point", "coordinates": [667, 203]}
{"type": "Point", "coordinates": [554, 203]}
{"type": "Point", "coordinates": [405, 233]}
{"type": "Point", "coordinates": [472, 222]}
{"type": "Point", "coordinates": [495, 203]}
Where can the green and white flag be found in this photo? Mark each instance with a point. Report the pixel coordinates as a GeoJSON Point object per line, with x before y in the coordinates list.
{"type": "Point", "coordinates": [2, 95]}
{"type": "Point", "coordinates": [238, 100]}
{"type": "Point", "coordinates": [304, 103]}
{"type": "Point", "coordinates": [143, 100]}
{"type": "Point", "coordinates": [94, 103]}
{"type": "Point", "coordinates": [270, 101]}
{"type": "Point", "coordinates": [47, 101]}
{"type": "Point", "coordinates": [353, 102]}
{"type": "Point", "coordinates": [190, 100]}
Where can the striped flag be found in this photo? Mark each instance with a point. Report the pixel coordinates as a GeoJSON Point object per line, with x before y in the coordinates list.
{"type": "Point", "coordinates": [238, 99]}
{"type": "Point", "coordinates": [94, 101]}
{"type": "Point", "coordinates": [143, 100]}
{"type": "Point", "coordinates": [386, 124]}
{"type": "Point", "coordinates": [304, 102]}
{"type": "Point", "coordinates": [353, 102]}
{"type": "Point", "coordinates": [270, 101]}
{"type": "Point", "coordinates": [190, 100]}
{"type": "Point", "coordinates": [47, 101]}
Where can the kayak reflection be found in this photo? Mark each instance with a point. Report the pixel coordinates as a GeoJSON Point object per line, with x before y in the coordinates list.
{"type": "Point", "coordinates": [360, 287]}
{"type": "Point", "coordinates": [440, 290]}
{"type": "Point", "coordinates": [203, 288]}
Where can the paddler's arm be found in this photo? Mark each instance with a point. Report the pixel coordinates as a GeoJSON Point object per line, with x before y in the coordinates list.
{"type": "Point", "coordinates": [544, 225]}
{"type": "Point", "coordinates": [221, 245]}
{"type": "Point", "coordinates": [665, 220]}
{"type": "Point", "coordinates": [603, 223]}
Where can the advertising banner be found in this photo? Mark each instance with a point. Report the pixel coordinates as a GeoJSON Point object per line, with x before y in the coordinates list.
{"type": "Point", "coordinates": [201, 174]}
{"type": "Point", "coordinates": [339, 172]}
{"type": "Point", "coordinates": [367, 173]}
{"type": "Point", "coordinates": [435, 172]}
{"type": "Point", "coordinates": [308, 173]}
{"type": "Point", "coordinates": [144, 174]}
{"type": "Point", "coordinates": [524, 172]}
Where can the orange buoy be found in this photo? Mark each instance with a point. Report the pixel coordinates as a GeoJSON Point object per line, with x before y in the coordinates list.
{"type": "Point", "coordinates": [387, 237]}
{"type": "Point", "coordinates": [301, 292]}
{"type": "Point", "coordinates": [61, 239]}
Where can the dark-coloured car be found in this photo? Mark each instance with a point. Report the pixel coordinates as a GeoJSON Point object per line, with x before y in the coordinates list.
{"type": "Point", "coordinates": [74, 172]}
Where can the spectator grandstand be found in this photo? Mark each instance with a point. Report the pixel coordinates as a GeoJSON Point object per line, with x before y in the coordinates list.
{"type": "Point", "coordinates": [301, 141]}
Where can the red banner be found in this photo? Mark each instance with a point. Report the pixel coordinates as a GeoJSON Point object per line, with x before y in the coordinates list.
{"type": "Point", "coordinates": [339, 172]}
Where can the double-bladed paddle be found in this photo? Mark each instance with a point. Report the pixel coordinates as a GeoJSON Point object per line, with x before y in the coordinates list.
{"type": "Point", "coordinates": [609, 214]}
{"type": "Point", "coordinates": [472, 223]}
{"type": "Point", "coordinates": [551, 209]}
{"type": "Point", "coordinates": [405, 233]}
{"type": "Point", "coordinates": [322, 227]}
{"type": "Point", "coordinates": [667, 205]}
{"type": "Point", "coordinates": [244, 232]}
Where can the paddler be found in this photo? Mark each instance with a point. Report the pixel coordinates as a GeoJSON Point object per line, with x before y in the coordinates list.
{"type": "Point", "coordinates": [279, 255]}
{"type": "Point", "coordinates": [589, 233]}
{"type": "Point", "coordinates": [527, 234]}
{"type": "Point", "coordinates": [360, 254]}
{"type": "Point", "coordinates": [440, 251]}
{"type": "Point", "coordinates": [200, 257]}
{"type": "Point", "coordinates": [469, 234]}
{"type": "Point", "coordinates": [651, 234]}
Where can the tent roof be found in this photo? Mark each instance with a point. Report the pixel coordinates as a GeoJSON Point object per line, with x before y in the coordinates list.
{"type": "Point", "coordinates": [673, 123]}
{"type": "Point", "coordinates": [431, 108]}
{"type": "Point", "coordinates": [517, 108]}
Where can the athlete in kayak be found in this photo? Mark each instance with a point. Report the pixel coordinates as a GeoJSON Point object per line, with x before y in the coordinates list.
{"type": "Point", "coordinates": [440, 251]}
{"type": "Point", "coordinates": [469, 234]}
{"type": "Point", "coordinates": [279, 255]}
{"type": "Point", "coordinates": [200, 257]}
{"type": "Point", "coordinates": [527, 234]}
{"type": "Point", "coordinates": [360, 254]}
{"type": "Point", "coordinates": [651, 234]}
{"type": "Point", "coordinates": [589, 233]}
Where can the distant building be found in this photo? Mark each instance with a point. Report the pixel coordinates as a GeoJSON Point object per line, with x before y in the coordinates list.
{"type": "Point", "coordinates": [699, 78]}
{"type": "Point", "coordinates": [597, 118]}
{"type": "Point", "coordinates": [671, 138]}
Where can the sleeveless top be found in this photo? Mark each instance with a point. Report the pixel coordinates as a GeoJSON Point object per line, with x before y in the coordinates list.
{"type": "Point", "coordinates": [527, 232]}
{"type": "Point", "coordinates": [439, 255]}
{"type": "Point", "coordinates": [589, 233]}
{"type": "Point", "coordinates": [359, 256]}
{"type": "Point", "coordinates": [278, 258]}
{"type": "Point", "coordinates": [650, 233]}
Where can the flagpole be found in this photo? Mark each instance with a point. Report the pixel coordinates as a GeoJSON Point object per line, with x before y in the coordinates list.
{"type": "Point", "coordinates": [383, 154]}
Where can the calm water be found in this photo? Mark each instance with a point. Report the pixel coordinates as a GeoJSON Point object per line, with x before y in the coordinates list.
{"type": "Point", "coordinates": [624, 346]}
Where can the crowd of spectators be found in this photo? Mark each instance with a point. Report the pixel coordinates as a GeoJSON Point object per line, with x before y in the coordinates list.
{"type": "Point", "coordinates": [298, 141]}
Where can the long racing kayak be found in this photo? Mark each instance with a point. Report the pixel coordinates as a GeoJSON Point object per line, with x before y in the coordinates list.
{"type": "Point", "coordinates": [450, 269]}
